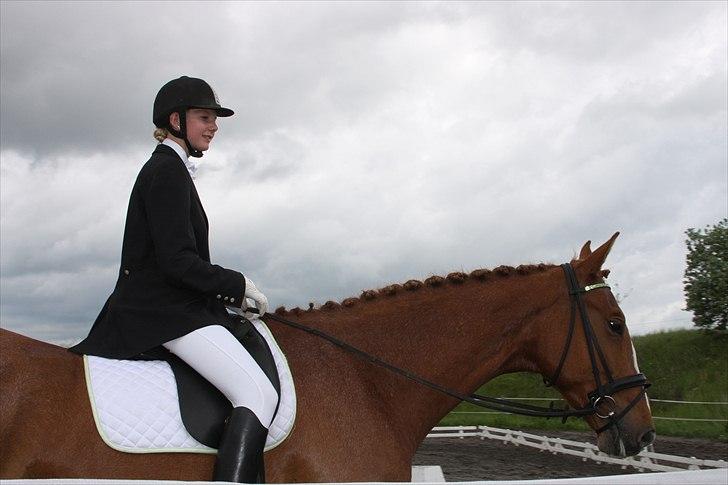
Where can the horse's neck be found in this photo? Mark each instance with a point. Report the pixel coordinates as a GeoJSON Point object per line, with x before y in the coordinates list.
{"type": "Point", "coordinates": [459, 336]}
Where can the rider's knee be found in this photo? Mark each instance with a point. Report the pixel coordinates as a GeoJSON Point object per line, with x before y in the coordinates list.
{"type": "Point", "coordinates": [269, 395]}
{"type": "Point", "coordinates": [262, 400]}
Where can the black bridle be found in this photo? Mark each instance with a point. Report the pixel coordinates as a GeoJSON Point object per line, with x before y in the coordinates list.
{"type": "Point", "coordinates": [601, 396]}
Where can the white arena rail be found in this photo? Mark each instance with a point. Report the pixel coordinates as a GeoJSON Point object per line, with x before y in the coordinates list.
{"type": "Point", "coordinates": [700, 477]}
{"type": "Point", "coordinates": [645, 460]}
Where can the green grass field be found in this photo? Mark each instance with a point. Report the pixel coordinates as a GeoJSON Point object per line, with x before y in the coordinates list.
{"type": "Point", "coordinates": [682, 365]}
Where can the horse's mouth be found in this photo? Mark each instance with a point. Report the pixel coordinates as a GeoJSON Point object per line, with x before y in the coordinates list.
{"type": "Point", "coordinates": [617, 442]}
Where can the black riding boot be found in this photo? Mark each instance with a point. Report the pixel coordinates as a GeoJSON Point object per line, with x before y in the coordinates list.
{"type": "Point", "coordinates": [240, 455]}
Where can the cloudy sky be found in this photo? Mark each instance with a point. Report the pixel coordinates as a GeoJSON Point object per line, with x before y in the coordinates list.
{"type": "Point", "coordinates": [372, 143]}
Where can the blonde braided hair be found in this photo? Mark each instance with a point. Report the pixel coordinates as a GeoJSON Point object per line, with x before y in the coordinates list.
{"type": "Point", "coordinates": [160, 134]}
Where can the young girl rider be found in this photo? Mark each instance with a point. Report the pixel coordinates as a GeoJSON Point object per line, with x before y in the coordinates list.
{"type": "Point", "coordinates": [169, 294]}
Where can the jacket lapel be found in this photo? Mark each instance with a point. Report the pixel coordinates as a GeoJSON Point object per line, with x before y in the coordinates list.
{"type": "Point", "coordinates": [196, 197]}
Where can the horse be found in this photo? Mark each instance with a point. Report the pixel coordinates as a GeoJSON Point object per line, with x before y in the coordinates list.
{"type": "Point", "coordinates": [357, 421]}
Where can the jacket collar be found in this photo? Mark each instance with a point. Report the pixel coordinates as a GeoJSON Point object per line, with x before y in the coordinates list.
{"type": "Point", "coordinates": [191, 165]}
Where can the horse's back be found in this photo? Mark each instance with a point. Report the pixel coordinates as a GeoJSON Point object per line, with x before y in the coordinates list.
{"type": "Point", "coordinates": [26, 362]}
{"type": "Point", "coordinates": [13, 344]}
{"type": "Point", "coordinates": [40, 383]}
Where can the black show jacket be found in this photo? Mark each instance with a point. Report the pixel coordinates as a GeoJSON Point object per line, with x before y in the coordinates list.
{"type": "Point", "coordinates": [166, 286]}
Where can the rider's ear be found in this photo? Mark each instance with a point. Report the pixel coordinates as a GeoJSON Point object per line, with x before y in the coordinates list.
{"type": "Point", "coordinates": [174, 120]}
{"type": "Point", "coordinates": [591, 264]}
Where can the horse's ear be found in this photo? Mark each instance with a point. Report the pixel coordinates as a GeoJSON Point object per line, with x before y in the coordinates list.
{"type": "Point", "coordinates": [585, 251]}
{"type": "Point", "coordinates": [592, 263]}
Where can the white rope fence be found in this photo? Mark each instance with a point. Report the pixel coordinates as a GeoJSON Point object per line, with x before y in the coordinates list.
{"type": "Point", "coordinates": [720, 403]}
{"type": "Point", "coordinates": [645, 460]}
{"type": "Point", "coordinates": [664, 418]}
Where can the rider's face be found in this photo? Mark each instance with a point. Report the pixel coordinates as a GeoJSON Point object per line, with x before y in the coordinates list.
{"type": "Point", "coordinates": [201, 127]}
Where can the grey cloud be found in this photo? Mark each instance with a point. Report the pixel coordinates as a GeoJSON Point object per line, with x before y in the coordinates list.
{"type": "Point", "coordinates": [70, 86]}
{"type": "Point", "coordinates": [281, 63]}
{"type": "Point", "coordinates": [591, 32]}
{"type": "Point", "coordinates": [55, 305]}
{"type": "Point", "coordinates": [62, 216]}
{"type": "Point", "coordinates": [371, 144]}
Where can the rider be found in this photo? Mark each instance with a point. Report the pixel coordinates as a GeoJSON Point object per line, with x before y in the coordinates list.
{"type": "Point", "coordinates": [169, 294]}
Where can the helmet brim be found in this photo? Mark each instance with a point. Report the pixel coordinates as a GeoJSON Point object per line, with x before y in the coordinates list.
{"type": "Point", "coordinates": [219, 110]}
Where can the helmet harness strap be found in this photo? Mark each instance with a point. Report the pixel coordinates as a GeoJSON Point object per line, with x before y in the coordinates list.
{"type": "Point", "coordinates": [182, 133]}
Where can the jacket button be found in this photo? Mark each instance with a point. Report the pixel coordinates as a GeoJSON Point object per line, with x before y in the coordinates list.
{"type": "Point", "coordinates": [219, 296]}
{"type": "Point", "coordinates": [232, 300]}
{"type": "Point", "coordinates": [126, 272]}
{"type": "Point", "coordinates": [225, 299]}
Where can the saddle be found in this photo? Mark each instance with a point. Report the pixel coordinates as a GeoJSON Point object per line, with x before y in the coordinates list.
{"type": "Point", "coordinates": [176, 408]}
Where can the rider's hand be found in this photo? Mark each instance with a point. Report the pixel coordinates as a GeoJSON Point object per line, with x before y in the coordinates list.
{"type": "Point", "coordinates": [259, 299]}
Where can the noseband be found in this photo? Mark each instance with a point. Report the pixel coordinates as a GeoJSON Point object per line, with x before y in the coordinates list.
{"type": "Point", "coordinates": [599, 398]}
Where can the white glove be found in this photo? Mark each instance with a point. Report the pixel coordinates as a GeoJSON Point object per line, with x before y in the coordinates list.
{"type": "Point", "coordinates": [259, 299]}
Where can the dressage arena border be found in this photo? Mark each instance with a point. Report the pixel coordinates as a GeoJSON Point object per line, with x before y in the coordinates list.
{"type": "Point", "coordinates": [645, 460]}
{"type": "Point", "coordinates": [680, 470]}
{"type": "Point", "coordinates": [698, 477]}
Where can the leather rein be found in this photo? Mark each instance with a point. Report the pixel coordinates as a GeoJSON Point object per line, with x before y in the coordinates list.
{"type": "Point", "coordinates": [598, 399]}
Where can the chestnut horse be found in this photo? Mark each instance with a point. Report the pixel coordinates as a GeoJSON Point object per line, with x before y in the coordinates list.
{"type": "Point", "coordinates": [355, 421]}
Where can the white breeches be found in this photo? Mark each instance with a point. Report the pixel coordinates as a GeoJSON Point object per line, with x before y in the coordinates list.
{"type": "Point", "coordinates": [218, 357]}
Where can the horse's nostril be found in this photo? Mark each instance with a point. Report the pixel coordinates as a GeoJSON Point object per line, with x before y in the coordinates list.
{"type": "Point", "coordinates": [647, 438]}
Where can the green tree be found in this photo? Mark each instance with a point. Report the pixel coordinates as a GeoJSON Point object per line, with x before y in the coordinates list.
{"type": "Point", "coordinates": [706, 276]}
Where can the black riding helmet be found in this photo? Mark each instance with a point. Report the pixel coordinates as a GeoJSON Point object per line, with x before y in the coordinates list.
{"type": "Point", "coordinates": [179, 95]}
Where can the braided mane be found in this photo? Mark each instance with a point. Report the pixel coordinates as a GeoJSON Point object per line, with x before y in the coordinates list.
{"type": "Point", "coordinates": [455, 278]}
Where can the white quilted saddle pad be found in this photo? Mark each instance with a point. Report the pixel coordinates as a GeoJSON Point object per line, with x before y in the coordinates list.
{"type": "Point", "coordinates": [136, 408]}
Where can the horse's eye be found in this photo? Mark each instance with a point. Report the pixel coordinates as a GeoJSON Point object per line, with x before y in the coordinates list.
{"type": "Point", "coordinates": [616, 326]}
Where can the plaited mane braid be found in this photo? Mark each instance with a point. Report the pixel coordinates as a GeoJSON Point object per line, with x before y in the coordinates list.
{"type": "Point", "coordinates": [454, 278]}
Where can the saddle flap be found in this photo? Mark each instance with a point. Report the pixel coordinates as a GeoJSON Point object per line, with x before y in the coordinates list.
{"type": "Point", "coordinates": [138, 405]}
